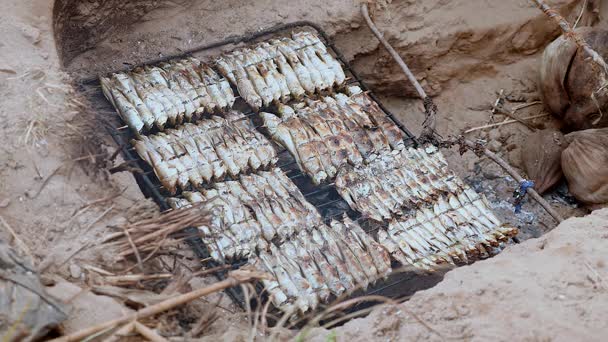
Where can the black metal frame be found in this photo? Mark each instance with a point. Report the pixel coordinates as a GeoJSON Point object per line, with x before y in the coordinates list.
{"type": "Point", "coordinates": [150, 186]}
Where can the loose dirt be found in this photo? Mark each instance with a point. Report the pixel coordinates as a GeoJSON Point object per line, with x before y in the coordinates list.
{"type": "Point", "coordinates": [464, 53]}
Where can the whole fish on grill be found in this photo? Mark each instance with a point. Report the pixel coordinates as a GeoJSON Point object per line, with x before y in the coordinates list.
{"type": "Point", "coordinates": [297, 251]}
{"type": "Point", "coordinates": [312, 40]}
{"type": "Point", "coordinates": [234, 71]}
{"type": "Point", "coordinates": [151, 100]}
{"type": "Point", "coordinates": [328, 272]}
{"type": "Point", "coordinates": [183, 94]}
{"type": "Point", "coordinates": [285, 282]}
{"type": "Point", "coordinates": [315, 74]}
{"type": "Point", "coordinates": [379, 255]}
{"type": "Point", "coordinates": [218, 87]}
{"type": "Point", "coordinates": [166, 173]}
{"type": "Point", "coordinates": [309, 56]}
{"type": "Point", "coordinates": [355, 251]}
{"type": "Point", "coordinates": [125, 109]}
{"type": "Point", "coordinates": [191, 69]}
{"type": "Point", "coordinates": [303, 74]}
{"type": "Point", "coordinates": [343, 253]}
{"type": "Point", "coordinates": [182, 84]}
{"type": "Point", "coordinates": [125, 86]}
{"type": "Point", "coordinates": [264, 53]}
{"type": "Point", "coordinates": [279, 299]}
{"type": "Point", "coordinates": [265, 71]}
{"type": "Point", "coordinates": [290, 133]}
{"type": "Point", "coordinates": [156, 77]}
{"type": "Point", "coordinates": [256, 78]}
{"type": "Point", "coordinates": [287, 258]}
{"type": "Point", "coordinates": [378, 117]}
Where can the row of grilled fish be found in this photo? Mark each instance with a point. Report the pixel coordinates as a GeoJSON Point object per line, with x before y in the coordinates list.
{"type": "Point", "coordinates": [250, 212]}
{"type": "Point", "coordinates": [318, 263]}
{"type": "Point", "coordinates": [194, 154]}
{"type": "Point", "coordinates": [281, 69]}
{"type": "Point", "coordinates": [326, 134]}
{"type": "Point", "coordinates": [455, 227]}
{"type": "Point", "coordinates": [170, 93]}
{"type": "Point", "coordinates": [409, 178]}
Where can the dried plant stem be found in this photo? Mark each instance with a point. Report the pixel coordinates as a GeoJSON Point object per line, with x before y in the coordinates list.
{"type": "Point", "coordinates": [234, 279]}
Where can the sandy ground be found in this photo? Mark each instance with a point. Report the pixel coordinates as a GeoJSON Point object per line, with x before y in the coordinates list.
{"type": "Point", "coordinates": [464, 52]}
{"type": "Point", "coordinates": [548, 289]}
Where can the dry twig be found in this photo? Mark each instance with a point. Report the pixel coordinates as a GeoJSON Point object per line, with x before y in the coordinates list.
{"type": "Point", "coordinates": [234, 279]}
{"type": "Point", "coordinates": [20, 244]}
{"type": "Point", "coordinates": [430, 129]}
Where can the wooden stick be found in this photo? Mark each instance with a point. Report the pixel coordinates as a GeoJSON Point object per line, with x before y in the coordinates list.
{"type": "Point", "coordinates": [234, 279]}
{"type": "Point", "coordinates": [149, 333]}
{"type": "Point", "coordinates": [511, 171]}
{"type": "Point", "coordinates": [20, 244]}
{"type": "Point", "coordinates": [137, 256]}
{"type": "Point", "coordinates": [512, 115]}
{"type": "Point", "coordinates": [469, 144]}
{"type": "Point", "coordinates": [430, 120]}
{"type": "Point", "coordinates": [134, 278]}
{"type": "Point", "coordinates": [569, 33]}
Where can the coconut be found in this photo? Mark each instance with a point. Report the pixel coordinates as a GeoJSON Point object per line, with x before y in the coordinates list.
{"type": "Point", "coordinates": [585, 165]}
{"type": "Point", "coordinates": [541, 154]}
{"type": "Point", "coordinates": [568, 78]}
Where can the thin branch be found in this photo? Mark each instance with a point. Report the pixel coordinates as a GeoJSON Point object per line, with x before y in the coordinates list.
{"type": "Point", "coordinates": [513, 173]}
{"type": "Point", "coordinates": [429, 130]}
{"type": "Point", "coordinates": [569, 33]}
{"type": "Point", "coordinates": [234, 279]}
{"type": "Point", "coordinates": [430, 121]}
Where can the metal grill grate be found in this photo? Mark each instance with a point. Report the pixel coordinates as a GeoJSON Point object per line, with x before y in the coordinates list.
{"type": "Point", "coordinates": [324, 197]}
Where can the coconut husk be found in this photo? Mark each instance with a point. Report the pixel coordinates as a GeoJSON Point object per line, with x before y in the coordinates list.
{"type": "Point", "coordinates": [568, 79]}
{"type": "Point", "coordinates": [585, 165]}
{"type": "Point", "coordinates": [541, 158]}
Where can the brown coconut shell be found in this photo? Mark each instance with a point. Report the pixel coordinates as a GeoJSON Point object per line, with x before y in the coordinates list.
{"type": "Point", "coordinates": [541, 158]}
{"type": "Point", "coordinates": [568, 78]}
{"type": "Point", "coordinates": [585, 165]}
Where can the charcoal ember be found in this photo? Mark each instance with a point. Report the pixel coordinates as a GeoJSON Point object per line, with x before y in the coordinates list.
{"type": "Point", "coordinates": [27, 312]}
{"type": "Point", "coordinates": [584, 163]}
{"type": "Point", "coordinates": [541, 158]}
{"type": "Point", "coordinates": [568, 77]}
